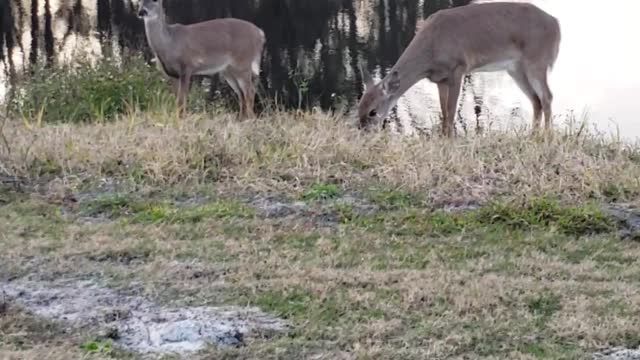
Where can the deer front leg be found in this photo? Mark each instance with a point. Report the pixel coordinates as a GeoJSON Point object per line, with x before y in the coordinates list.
{"type": "Point", "coordinates": [250, 100]}
{"type": "Point", "coordinates": [455, 84]}
{"type": "Point", "coordinates": [443, 91]}
{"type": "Point", "coordinates": [244, 80]}
{"type": "Point", "coordinates": [175, 86]}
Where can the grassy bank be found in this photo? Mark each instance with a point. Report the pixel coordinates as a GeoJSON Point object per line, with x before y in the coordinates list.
{"type": "Point", "coordinates": [374, 246]}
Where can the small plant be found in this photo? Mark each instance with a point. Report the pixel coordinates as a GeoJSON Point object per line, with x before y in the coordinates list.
{"type": "Point", "coordinates": [96, 346]}
{"type": "Point", "coordinates": [152, 213]}
{"type": "Point", "coordinates": [322, 191]}
{"type": "Point", "coordinates": [301, 82]}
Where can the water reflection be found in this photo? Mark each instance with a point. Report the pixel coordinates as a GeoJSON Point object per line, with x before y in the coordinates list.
{"type": "Point", "coordinates": [315, 46]}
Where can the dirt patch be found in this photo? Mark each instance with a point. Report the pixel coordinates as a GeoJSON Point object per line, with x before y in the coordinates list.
{"type": "Point", "coordinates": [628, 219]}
{"type": "Point", "coordinates": [618, 354]}
{"type": "Point", "coordinates": [136, 323]}
{"type": "Point", "coordinates": [275, 206]}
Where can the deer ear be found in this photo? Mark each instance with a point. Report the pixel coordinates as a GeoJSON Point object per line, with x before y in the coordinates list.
{"type": "Point", "coordinates": [392, 82]}
{"type": "Point", "coordinates": [366, 77]}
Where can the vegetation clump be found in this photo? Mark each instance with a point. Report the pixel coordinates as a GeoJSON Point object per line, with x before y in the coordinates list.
{"type": "Point", "coordinates": [88, 92]}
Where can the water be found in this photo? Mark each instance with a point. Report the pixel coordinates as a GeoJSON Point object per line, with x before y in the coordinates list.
{"type": "Point", "coordinates": [314, 48]}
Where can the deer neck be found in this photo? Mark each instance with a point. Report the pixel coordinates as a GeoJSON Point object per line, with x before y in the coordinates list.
{"type": "Point", "coordinates": [411, 69]}
{"type": "Point", "coordinates": [158, 35]}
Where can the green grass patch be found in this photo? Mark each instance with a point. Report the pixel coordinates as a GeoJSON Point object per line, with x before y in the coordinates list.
{"type": "Point", "coordinates": [577, 220]}
{"type": "Point", "coordinates": [322, 191]}
{"type": "Point", "coordinates": [134, 210]}
{"type": "Point", "coordinates": [97, 347]}
{"type": "Point", "coordinates": [541, 212]}
{"type": "Point", "coordinates": [163, 212]}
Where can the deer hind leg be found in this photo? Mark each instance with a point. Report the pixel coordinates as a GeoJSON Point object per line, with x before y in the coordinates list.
{"type": "Point", "coordinates": [520, 77]}
{"type": "Point", "coordinates": [231, 80]}
{"type": "Point", "coordinates": [244, 80]}
{"type": "Point", "coordinates": [537, 77]}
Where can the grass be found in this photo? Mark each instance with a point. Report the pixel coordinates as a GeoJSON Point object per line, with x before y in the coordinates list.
{"type": "Point", "coordinates": [481, 247]}
{"type": "Point", "coordinates": [316, 153]}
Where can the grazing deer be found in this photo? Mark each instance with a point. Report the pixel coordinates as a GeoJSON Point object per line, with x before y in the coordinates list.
{"type": "Point", "coordinates": [231, 47]}
{"type": "Point", "coordinates": [517, 37]}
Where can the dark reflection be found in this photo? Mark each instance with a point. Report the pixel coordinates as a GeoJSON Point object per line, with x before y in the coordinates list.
{"type": "Point", "coordinates": [7, 35]}
{"type": "Point", "coordinates": [48, 33]}
{"type": "Point", "coordinates": [35, 32]}
{"type": "Point", "coordinates": [313, 47]}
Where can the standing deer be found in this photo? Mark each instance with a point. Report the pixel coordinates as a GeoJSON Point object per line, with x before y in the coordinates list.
{"type": "Point", "coordinates": [231, 47]}
{"type": "Point", "coordinates": [517, 37]}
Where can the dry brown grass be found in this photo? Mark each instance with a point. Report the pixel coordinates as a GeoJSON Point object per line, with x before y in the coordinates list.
{"type": "Point", "coordinates": [281, 151]}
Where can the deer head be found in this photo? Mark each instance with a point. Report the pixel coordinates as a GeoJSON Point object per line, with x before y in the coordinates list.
{"type": "Point", "coordinates": [150, 9]}
{"type": "Point", "coordinates": [378, 99]}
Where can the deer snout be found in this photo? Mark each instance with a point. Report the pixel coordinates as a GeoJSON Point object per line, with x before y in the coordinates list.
{"type": "Point", "coordinates": [364, 125]}
{"type": "Point", "coordinates": [142, 13]}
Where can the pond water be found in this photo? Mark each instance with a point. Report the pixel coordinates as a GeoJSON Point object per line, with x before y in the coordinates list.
{"type": "Point", "coordinates": [314, 48]}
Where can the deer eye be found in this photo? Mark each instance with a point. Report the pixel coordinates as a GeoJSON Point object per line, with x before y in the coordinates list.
{"type": "Point", "coordinates": [373, 113]}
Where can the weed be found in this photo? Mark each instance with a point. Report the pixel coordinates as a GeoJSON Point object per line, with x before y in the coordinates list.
{"type": "Point", "coordinates": [97, 347]}
{"type": "Point", "coordinates": [322, 191]}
